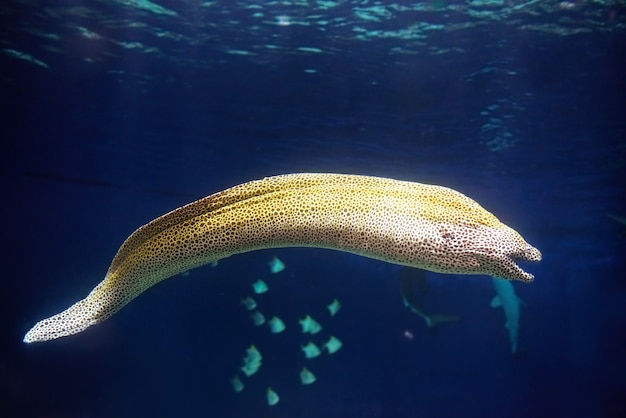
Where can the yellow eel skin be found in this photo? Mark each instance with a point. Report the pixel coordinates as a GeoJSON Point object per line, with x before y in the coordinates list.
{"type": "Point", "coordinates": [430, 227]}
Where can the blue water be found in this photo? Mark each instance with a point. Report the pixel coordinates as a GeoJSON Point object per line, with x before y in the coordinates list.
{"type": "Point", "coordinates": [114, 113]}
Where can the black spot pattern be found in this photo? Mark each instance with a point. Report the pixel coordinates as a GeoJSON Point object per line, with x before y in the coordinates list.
{"type": "Point", "coordinates": [413, 224]}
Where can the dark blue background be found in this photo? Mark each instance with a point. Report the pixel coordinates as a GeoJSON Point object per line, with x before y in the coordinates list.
{"type": "Point", "coordinates": [87, 157]}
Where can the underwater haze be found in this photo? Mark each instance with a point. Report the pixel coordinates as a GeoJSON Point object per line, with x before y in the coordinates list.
{"type": "Point", "coordinates": [116, 112]}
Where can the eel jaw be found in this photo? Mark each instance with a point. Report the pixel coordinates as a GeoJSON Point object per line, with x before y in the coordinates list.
{"type": "Point", "coordinates": [502, 264]}
{"type": "Point", "coordinates": [529, 253]}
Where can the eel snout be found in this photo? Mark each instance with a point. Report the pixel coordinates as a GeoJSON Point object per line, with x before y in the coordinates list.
{"type": "Point", "coordinates": [530, 253]}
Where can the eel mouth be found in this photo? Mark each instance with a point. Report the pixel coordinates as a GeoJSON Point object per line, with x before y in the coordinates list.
{"type": "Point", "coordinates": [531, 254]}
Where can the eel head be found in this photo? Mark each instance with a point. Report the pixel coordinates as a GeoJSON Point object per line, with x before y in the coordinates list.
{"type": "Point", "coordinates": [500, 261]}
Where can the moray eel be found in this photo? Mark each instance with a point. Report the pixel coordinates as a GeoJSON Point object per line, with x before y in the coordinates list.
{"type": "Point", "coordinates": [418, 225]}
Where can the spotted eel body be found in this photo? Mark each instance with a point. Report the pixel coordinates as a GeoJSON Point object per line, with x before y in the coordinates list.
{"type": "Point", "coordinates": [413, 224]}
